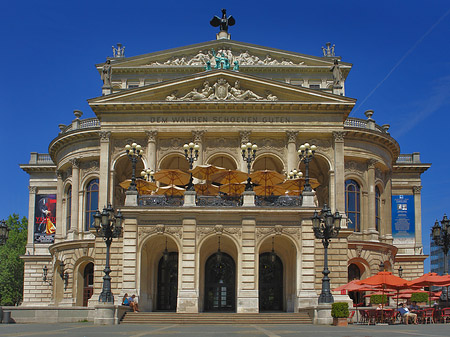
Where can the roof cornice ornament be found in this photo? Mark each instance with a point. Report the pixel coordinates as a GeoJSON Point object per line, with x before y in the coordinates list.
{"type": "Point", "coordinates": [224, 22]}
{"type": "Point", "coordinates": [222, 91]}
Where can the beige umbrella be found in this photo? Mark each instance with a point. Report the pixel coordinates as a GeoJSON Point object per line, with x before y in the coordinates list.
{"type": "Point", "coordinates": [267, 178]}
{"type": "Point", "coordinates": [206, 189]}
{"type": "Point", "coordinates": [298, 183]}
{"type": "Point", "coordinates": [232, 189]}
{"type": "Point", "coordinates": [269, 190]}
{"type": "Point", "coordinates": [229, 177]}
{"type": "Point", "coordinates": [142, 186]}
{"type": "Point", "coordinates": [204, 172]}
{"type": "Point", "coordinates": [171, 190]}
{"type": "Point", "coordinates": [172, 177]}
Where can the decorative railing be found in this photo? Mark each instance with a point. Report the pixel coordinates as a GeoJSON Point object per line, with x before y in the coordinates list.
{"type": "Point", "coordinates": [405, 159]}
{"type": "Point", "coordinates": [43, 158]}
{"type": "Point", "coordinates": [160, 200]}
{"type": "Point", "coordinates": [218, 201]}
{"type": "Point", "coordinates": [365, 124]}
{"type": "Point", "coordinates": [278, 201]}
{"type": "Point", "coordinates": [81, 124]}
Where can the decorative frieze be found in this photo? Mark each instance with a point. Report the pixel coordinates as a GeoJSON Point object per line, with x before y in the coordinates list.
{"type": "Point", "coordinates": [354, 166]}
{"type": "Point", "coordinates": [278, 230]}
{"type": "Point", "coordinates": [89, 167]}
{"type": "Point", "coordinates": [202, 231]}
{"type": "Point", "coordinates": [160, 229]}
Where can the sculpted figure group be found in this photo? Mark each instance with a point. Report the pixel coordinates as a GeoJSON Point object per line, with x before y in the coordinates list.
{"type": "Point", "coordinates": [221, 90]}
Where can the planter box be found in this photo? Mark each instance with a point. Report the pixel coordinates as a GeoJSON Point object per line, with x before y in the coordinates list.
{"type": "Point", "coordinates": [340, 321]}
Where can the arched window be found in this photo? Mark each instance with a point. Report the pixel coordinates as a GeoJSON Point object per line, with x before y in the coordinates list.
{"type": "Point", "coordinates": [69, 207]}
{"type": "Point", "coordinates": [377, 208]}
{"type": "Point", "coordinates": [91, 203]}
{"type": "Point", "coordinates": [353, 204]}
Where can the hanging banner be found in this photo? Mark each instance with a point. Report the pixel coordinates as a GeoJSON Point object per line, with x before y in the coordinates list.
{"type": "Point", "coordinates": [403, 218]}
{"type": "Point", "coordinates": [45, 218]}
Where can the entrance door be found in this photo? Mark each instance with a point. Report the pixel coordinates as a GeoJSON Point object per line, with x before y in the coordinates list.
{"type": "Point", "coordinates": [88, 283]}
{"type": "Point", "coordinates": [270, 283]}
{"type": "Point", "coordinates": [168, 283]}
{"type": "Point", "coordinates": [220, 284]}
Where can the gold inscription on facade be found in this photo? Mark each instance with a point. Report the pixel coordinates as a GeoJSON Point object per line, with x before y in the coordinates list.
{"type": "Point", "coordinates": [219, 119]}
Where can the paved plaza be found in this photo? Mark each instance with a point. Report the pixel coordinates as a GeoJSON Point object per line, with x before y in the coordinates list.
{"type": "Point", "coordinates": [89, 330]}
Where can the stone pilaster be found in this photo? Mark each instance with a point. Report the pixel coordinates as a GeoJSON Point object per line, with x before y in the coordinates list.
{"type": "Point", "coordinates": [77, 226]}
{"type": "Point", "coordinates": [129, 256]}
{"type": "Point", "coordinates": [247, 298]}
{"type": "Point", "coordinates": [292, 158]}
{"type": "Point", "coordinates": [187, 300]}
{"type": "Point", "coordinates": [306, 294]}
{"type": "Point", "coordinates": [104, 168]}
{"type": "Point", "coordinates": [339, 171]}
{"type": "Point", "coordinates": [198, 139]}
{"type": "Point", "coordinates": [371, 228]}
{"type": "Point", "coordinates": [387, 212]}
{"type": "Point", "coordinates": [151, 149]}
{"type": "Point", "coordinates": [418, 218]}
{"type": "Point", "coordinates": [332, 191]}
{"type": "Point", "coordinates": [31, 204]}
{"type": "Point", "coordinates": [60, 227]}
{"type": "Point", "coordinates": [244, 139]}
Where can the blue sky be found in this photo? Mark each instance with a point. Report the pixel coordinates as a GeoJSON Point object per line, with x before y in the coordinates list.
{"type": "Point", "coordinates": [400, 51]}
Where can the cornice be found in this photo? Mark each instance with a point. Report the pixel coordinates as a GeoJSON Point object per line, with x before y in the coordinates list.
{"type": "Point", "coordinates": [71, 136]}
{"type": "Point", "coordinates": [411, 168]}
{"type": "Point", "coordinates": [67, 245]}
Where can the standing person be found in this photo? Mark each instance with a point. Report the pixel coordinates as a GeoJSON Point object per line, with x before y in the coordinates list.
{"type": "Point", "coordinates": [133, 303]}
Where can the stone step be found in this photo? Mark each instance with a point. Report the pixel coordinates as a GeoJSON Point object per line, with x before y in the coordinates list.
{"type": "Point", "coordinates": [215, 318]}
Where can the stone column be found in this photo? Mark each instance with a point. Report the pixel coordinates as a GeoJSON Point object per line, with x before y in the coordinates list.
{"type": "Point", "coordinates": [151, 149]}
{"type": "Point", "coordinates": [371, 230]}
{"type": "Point", "coordinates": [418, 219]}
{"type": "Point", "coordinates": [31, 213]}
{"type": "Point", "coordinates": [198, 139]}
{"type": "Point", "coordinates": [339, 171]}
{"type": "Point", "coordinates": [77, 226]}
{"type": "Point", "coordinates": [60, 226]}
{"type": "Point", "coordinates": [292, 158]}
{"type": "Point", "coordinates": [188, 292]}
{"type": "Point", "coordinates": [104, 169]}
{"type": "Point", "coordinates": [247, 296]}
{"type": "Point", "coordinates": [244, 138]}
{"type": "Point", "coordinates": [331, 192]}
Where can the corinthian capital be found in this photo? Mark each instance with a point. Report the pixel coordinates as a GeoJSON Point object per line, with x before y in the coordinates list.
{"type": "Point", "coordinates": [151, 136]}
{"type": "Point", "coordinates": [198, 135]}
{"type": "Point", "coordinates": [417, 189]}
{"type": "Point", "coordinates": [339, 136]}
{"type": "Point", "coordinates": [245, 136]}
{"type": "Point", "coordinates": [292, 136]}
{"type": "Point", "coordinates": [75, 163]}
{"type": "Point", "coordinates": [105, 135]}
{"type": "Point", "coordinates": [32, 189]}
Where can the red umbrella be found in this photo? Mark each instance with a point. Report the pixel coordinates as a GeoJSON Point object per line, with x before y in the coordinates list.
{"type": "Point", "coordinates": [387, 280]}
{"type": "Point", "coordinates": [430, 279]}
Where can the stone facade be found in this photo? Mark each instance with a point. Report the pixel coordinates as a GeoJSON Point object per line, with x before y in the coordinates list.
{"type": "Point", "coordinates": [164, 100]}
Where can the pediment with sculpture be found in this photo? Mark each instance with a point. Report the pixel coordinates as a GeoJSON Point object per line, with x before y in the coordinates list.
{"type": "Point", "coordinates": [223, 91]}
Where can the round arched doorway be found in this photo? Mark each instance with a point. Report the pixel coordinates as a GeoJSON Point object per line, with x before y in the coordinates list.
{"type": "Point", "coordinates": [270, 282]}
{"type": "Point", "coordinates": [167, 287]}
{"type": "Point", "coordinates": [220, 283]}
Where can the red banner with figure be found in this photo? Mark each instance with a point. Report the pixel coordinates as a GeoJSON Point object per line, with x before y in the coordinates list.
{"type": "Point", "coordinates": [45, 218]}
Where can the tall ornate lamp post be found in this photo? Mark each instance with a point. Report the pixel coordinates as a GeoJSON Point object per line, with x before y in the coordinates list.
{"type": "Point", "coordinates": [249, 155]}
{"type": "Point", "coordinates": [191, 155]}
{"type": "Point", "coordinates": [441, 237]}
{"type": "Point", "coordinates": [3, 232]}
{"type": "Point", "coordinates": [306, 154]}
{"type": "Point", "coordinates": [326, 226]}
{"type": "Point", "coordinates": [108, 226]}
{"type": "Point", "coordinates": [134, 152]}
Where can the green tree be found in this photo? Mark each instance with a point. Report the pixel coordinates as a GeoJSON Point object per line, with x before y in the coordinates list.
{"type": "Point", "coordinates": [11, 265]}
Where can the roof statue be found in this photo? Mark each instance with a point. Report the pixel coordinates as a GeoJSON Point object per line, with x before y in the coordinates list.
{"type": "Point", "coordinates": [119, 51]}
{"type": "Point", "coordinates": [223, 23]}
{"type": "Point", "coordinates": [337, 74]}
{"type": "Point", "coordinates": [106, 74]}
{"type": "Point", "coordinates": [329, 50]}
{"type": "Point", "coordinates": [222, 61]}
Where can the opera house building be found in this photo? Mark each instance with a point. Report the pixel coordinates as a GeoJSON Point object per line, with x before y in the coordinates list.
{"type": "Point", "coordinates": [210, 163]}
